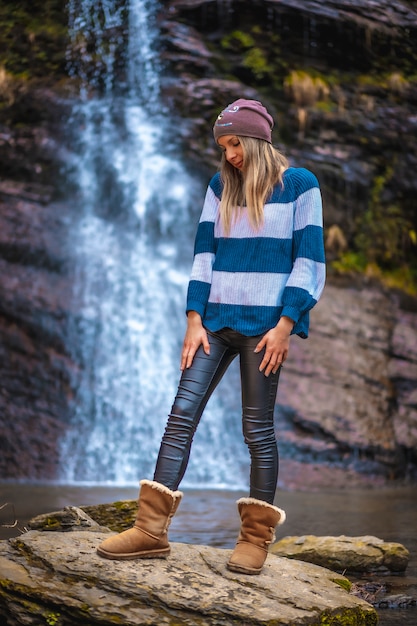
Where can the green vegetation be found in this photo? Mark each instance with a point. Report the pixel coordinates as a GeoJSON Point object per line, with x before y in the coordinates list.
{"type": "Point", "coordinates": [344, 583]}
{"type": "Point", "coordinates": [306, 91]}
{"type": "Point", "coordinates": [385, 242]}
{"type": "Point", "coordinates": [350, 617]}
{"type": "Point", "coordinates": [257, 56]}
{"type": "Point", "coordinates": [117, 516]}
{"type": "Point", "coordinates": [52, 619]}
{"type": "Point", "coordinates": [254, 57]}
{"type": "Point", "coordinates": [33, 38]}
{"type": "Point", "coordinates": [384, 235]}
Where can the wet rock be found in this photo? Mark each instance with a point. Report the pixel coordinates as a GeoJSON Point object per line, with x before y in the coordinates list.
{"type": "Point", "coordinates": [117, 516]}
{"type": "Point", "coordinates": [31, 138]}
{"type": "Point", "coordinates": [395, 601]}
{"type": "Point", "coordinates": [377, 594]}
{"type": "Point", "coordinates": [37, 370]}
{"type": "Point", "coordinates": [345, 554]}
{"type": "Point", "coordinates": [369, 591]}
{"type": "Point", "coordinates": [69, 518]}
{"type": "Point", "coordinates": [369, 12]}
{"type": "Point", "coordinates": [346, 394]}
{"type": "Point", "coordinates": [184, 47]}
{"type": "Point", "coordinates": [58, 576]}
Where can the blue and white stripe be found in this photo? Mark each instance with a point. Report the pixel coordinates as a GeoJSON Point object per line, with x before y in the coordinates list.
{"type": "Point", "coordinates": [248, 279]}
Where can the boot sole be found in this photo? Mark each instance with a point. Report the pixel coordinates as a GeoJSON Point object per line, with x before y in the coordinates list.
{"type": "Point", "coordinates": [151, 554]}
{"type": "Point", "coordinates": [243, 570]}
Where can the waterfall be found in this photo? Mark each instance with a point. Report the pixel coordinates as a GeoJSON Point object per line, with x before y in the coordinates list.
{"type": "Point", "coordinates": [136, 211]}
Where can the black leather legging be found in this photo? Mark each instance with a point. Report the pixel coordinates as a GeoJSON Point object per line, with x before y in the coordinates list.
{"type": "Point", "coordinates": [258, 400]}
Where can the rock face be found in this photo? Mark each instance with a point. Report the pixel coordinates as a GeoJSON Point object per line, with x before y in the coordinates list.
{"type": "Point", "coordinates": [356, 414]}
{"type": "Point", "coordinates": [57, 578]}
{"type": "Point", "coordinates": [362, 130]}
{"type": "Point", "coordinates": [36, 368]}
{"type": "Point", "coordinates": [347, 403]}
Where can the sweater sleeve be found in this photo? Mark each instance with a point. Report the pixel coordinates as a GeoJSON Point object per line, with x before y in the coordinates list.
{"type": "Point", "coordinates": [204, 250]}
{"type": "Point", "coordinates": [306, 281]}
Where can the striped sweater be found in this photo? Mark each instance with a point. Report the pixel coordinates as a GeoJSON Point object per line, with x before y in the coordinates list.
{"type": "Point", "coordinates": [247, 280]}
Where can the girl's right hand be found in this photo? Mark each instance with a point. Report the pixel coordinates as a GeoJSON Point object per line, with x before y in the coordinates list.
{"type": "Point", "coordinates": [195, 336]}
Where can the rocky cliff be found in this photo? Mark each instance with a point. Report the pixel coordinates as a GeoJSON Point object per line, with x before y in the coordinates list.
{"type": "Point", "coordinates": [337, 76]}
{"type": "Point", "coordinates": [347, 406]}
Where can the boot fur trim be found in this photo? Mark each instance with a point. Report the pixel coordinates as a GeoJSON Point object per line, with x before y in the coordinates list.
{"type": "Point", "coordinates": [266, 504]}
{"type": "Point", "coordinates": [160, 487]}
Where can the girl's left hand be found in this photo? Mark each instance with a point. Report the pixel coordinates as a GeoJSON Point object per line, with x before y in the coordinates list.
{"type": "Point", "coordinates": [276, 343]}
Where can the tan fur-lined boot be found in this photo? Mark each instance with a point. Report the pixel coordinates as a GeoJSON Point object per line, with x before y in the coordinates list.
{"type": "Point", "coordinates": [148, 538]}
{"type": "Point", "coordinates": [257, 532]}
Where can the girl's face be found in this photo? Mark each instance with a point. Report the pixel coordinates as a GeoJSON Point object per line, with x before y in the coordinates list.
{"type": "Point", "coordinates": [233, 150]}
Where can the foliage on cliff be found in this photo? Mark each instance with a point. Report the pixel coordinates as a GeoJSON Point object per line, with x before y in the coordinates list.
{"type": "Point", "coordinates": [33, 43]}
{"type": "Point", "coordinates": [33, 36]}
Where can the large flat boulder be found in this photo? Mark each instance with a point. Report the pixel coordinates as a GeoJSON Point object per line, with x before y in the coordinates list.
{"type": "Point", "coordinates": [57, 578]}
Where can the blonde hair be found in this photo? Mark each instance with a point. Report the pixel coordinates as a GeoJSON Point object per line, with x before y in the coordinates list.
{"type": "Point", "coordinates": [264, 166]}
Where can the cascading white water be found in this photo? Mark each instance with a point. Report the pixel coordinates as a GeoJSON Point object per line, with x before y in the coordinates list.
{"type": "Point", "coordinates": [138, 209]}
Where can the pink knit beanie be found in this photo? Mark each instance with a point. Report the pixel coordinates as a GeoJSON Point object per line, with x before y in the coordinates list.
{"type": "Point", "coordinates": [248, 118]}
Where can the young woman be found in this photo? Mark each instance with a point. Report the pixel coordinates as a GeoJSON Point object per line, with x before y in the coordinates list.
{"type": "Point", "coordinates": [258, 269]}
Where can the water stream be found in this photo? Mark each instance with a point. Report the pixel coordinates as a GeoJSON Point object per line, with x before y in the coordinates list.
{"type": "Point", "coordinates": [137, 211]}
